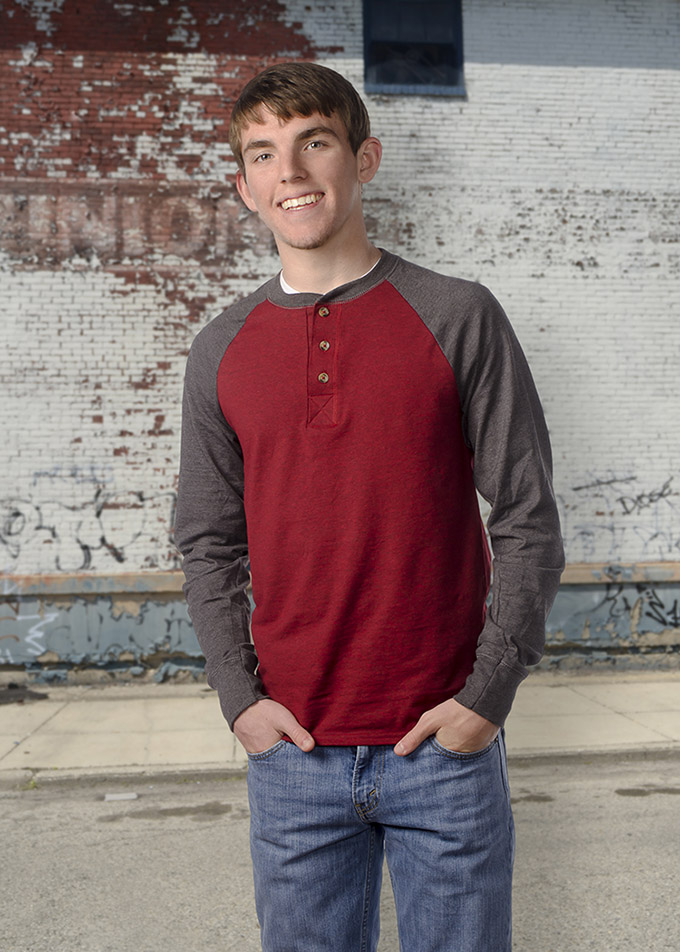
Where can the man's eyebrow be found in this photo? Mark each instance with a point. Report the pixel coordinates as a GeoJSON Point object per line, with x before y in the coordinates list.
{"type": "Point", "coordinates": [316, 131]}
{"type": "Point", "coordinates": [258, 144]}
{"type": "Point", "coordinates": [305, 134]}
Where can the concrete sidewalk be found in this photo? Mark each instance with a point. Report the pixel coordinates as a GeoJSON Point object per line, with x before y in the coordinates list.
{"type": "Point", "coordinates": [178, 728]}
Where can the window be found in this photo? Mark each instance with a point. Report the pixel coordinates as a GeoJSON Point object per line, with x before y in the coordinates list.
{"type": "Point", "coordinates": [413, 46]}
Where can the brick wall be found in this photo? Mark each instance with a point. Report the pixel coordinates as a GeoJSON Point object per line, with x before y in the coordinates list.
{"type": "Point", "coordinates": [120, 234]}
{"type": "Point", "coordinates": [555, 182]}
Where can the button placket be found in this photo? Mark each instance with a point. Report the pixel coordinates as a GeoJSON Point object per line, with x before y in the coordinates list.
{"type": "Point", "coordinates": [323, 313]}
{"type": "Point", "coordinates": [322, 365]}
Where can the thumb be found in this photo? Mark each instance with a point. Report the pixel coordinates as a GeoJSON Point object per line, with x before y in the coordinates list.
{"type": "Point", "coordinates": [300, 737]}
{"type": "Point", "coordinates": [413, 739]}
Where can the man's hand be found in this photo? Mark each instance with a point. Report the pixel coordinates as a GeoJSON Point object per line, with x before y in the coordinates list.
{"type": "Point", "coordinates": [265, 722]}
{"type": "Point", "coordinates": [454, 726]}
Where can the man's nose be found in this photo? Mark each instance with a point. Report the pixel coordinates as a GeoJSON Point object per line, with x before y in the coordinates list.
{"type": "Point", "coordinates": [292, 167]}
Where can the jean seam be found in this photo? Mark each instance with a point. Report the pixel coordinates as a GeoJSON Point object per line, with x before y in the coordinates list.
{"type": "Point", "coordinates": [503, 764]}
{"type": "Point", "coordinates": [367, 890]}
{"type": "Point", "coordinates": [263, 754]}
{"type": "Point", "coordinates": [461, 755]}
{"type": "Point", "coordinates": [373, 800]}
{"type": "Point", "coordinates": [378, 780]}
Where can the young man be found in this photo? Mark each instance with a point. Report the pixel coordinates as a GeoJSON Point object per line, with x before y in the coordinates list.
{"type": "Point", "coordinates": [336, 425]}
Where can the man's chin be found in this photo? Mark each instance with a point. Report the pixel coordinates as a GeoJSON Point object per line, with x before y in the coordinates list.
{"type": "Point", "coordinates": [308, 243]}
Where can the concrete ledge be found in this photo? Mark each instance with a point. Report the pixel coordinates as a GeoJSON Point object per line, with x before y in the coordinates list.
{"type": "Point", "coordinates": [595, 573]}
{"type": "Point", "coordinates": [84, 583]}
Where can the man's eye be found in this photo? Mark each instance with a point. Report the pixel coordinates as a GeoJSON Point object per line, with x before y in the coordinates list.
{"type": "Point", "coordinates": [315, 144]}
{"type": "Point", "coordinates": [262, 156]}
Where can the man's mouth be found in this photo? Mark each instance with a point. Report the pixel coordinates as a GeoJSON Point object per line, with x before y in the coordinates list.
{"type": "Point", "coordinates": [303, 200]}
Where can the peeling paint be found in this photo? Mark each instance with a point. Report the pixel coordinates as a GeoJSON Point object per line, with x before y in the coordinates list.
{"type": "Point", "coordinates": [137, 82]}
{"type": "Point", "coordinates": [95, 631]}
{"type": "Point", "coordinates": [89, 621]}
{"type": "Point", "coordinates": [616, 616]}
{"type": "Point", "coordinates": [153, 27]}
{"type": "Point", "coordinates": [125, 606]}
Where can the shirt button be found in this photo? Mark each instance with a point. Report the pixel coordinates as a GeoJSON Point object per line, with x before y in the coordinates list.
{"type": "Point", "coordinates": [323, 378]}
{"type": "Point", "coordinates": [324, 312]}
{"type": "Point", "coordinates": [324, 345]}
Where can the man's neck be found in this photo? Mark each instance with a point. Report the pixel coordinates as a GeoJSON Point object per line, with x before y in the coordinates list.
{"type": "Point", "coordinates": [318, 270]}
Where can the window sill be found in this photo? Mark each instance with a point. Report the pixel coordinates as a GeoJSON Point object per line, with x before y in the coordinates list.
{"type": "Point", "coordinates": [395, 89]}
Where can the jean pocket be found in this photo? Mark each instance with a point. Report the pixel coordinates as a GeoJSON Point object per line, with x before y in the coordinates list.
{"type": "Point", "coordinates": [461, 754]}
{"type": "Point", "coordinates": [264, 754]}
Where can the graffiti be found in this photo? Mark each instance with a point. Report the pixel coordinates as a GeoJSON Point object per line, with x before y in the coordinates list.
{"type": "Point", "coordinates": [646, 500]}
{"type": "Point", "coordinates": [94, 630]}
{"type": "Point", "coordinates": [604, 518]}
{"type": "Point", "coordinates": [97, 475]}
{"type": "Point", "coordinates": [6, 656]}
{"type": "Point", "coordinates": [110, 527]}
{"type": "Point", "coordinates": [616, 616]}
{"type": "Point", "coordinates": [34, 640]}
{"type": "Point", "coordinates": [634, 603]}
{"type": "Point", "coordinates": [603, 482]}
{"type": "Point", "coordinates": [666, 615]}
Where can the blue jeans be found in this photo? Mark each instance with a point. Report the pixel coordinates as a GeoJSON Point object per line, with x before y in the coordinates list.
{"type": "Point", "coordinates": [321, 822]}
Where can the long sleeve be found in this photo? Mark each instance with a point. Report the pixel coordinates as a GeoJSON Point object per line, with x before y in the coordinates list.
{"type": "Point", "coordinates": [211, 534]}
{"type": "Point", "coordinates": [503, 423]}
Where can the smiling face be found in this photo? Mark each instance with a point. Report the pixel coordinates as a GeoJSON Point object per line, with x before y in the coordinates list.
{"type": "Point", "coordinates": [304, 181]}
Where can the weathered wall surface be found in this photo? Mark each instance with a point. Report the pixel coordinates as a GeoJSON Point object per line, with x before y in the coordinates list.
{"type": "Point", "coordinates": [555, 182]}
{"type": "Point", "coordinates": [131, 624]}
{"type": "Point", "coordinates": [120, 234]}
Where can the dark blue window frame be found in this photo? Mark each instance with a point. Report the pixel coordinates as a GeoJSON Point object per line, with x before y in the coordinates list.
{"type": "Point", "coordinates": [413, 47]}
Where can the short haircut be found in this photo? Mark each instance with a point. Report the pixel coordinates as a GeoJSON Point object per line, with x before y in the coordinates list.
{"type": "Point", "coordinates": [299, 89]}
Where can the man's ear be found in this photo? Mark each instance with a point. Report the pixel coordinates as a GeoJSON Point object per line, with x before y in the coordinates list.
{"type": "Point", "coordinates": [244, 191]}
{"type": "Point", "coordinates": [369, 156]}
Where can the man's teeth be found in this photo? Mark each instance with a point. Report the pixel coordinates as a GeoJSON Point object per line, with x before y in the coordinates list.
{"type": "Point", "coordinates": [304, 200]}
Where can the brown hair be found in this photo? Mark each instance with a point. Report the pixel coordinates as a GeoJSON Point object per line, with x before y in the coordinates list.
{"type": "Point", "coordinates": [299, 89]}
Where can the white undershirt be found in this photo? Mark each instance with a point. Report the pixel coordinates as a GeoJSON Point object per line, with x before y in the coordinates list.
{"type": "Point", "coordinates": [290, 290]}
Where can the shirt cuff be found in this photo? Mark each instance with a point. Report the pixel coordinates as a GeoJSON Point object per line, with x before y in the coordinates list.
{"type": "Point", "coordinates": [491, 687]}
{"type": "Point", "coordinates": [236, 684]}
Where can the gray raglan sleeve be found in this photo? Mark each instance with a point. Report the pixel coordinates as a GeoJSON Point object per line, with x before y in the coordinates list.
{"type": "Point", "coordinates": [503, 423]}
{"type": "Point", "coordinates": [211, 534]}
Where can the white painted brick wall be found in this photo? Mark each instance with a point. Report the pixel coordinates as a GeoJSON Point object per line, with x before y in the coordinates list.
{"type": "Point", "coordinates": [555, 183]}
